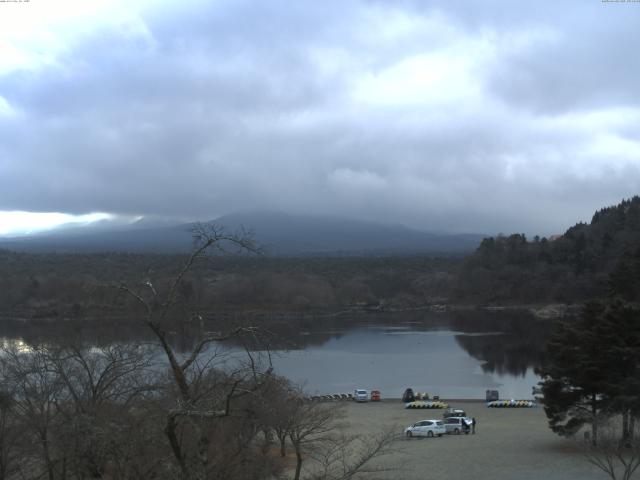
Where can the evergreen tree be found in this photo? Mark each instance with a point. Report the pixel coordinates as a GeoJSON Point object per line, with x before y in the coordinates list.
{"type": "Point", "coordinates": [592, 369]}
{"type": "Point", "coordinates": [574, 376]}
{"type": "Point", "coordinates": [624, 281]}
{"type": "Point", "coordinates": [621, 322]}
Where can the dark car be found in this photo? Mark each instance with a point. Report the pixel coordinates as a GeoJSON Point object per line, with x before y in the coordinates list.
{"type": "Point", "coordinates": [408, 396]}
{"type": "Point", "coordinates": [454, 412]}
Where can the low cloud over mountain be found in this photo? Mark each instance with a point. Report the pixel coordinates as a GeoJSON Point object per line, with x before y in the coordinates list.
{"type": "Point", "coordinates": [458, 116]}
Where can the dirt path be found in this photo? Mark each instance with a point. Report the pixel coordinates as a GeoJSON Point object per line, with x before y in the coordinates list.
{"type": "Point", "coordinates": [510, 444]}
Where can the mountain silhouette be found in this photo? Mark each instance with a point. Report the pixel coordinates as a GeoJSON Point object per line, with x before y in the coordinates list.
{"type": "Point", "coordinates": [279, 233]}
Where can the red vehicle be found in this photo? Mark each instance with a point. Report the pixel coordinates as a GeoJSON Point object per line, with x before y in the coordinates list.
{"type": "Point", "coordinates": [375, 395]}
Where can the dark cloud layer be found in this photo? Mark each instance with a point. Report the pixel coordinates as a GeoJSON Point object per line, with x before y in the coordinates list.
{"type": "Point", "coordinates": [460, 116]}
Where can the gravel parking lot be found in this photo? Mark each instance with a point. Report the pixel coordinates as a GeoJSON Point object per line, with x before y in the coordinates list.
{"type": "Point", "coordinates": [513, 444]}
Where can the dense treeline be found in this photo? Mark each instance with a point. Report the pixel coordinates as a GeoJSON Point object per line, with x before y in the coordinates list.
{"type": "Point", "coordinates": [73, 286]}
{"type": "Point", "coordinates": [571, 268]}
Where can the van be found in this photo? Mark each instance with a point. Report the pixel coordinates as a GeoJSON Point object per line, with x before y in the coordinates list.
{"type": "Point", "coordinates": [457, 425]}
{"type": "Point", "coordinates": [361, 395]}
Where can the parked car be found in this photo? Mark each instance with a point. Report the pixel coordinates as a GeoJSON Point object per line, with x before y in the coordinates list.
{"type": "Point", "coordinates": [408, 395]}
{"type": "Point", "coordinates": [492, 395]}
{"type": "Point", "coordinates": [361, 395]}
{"type": "Point", "coordinates": [426, 428]}
{"type": "Point", "coordinates": [454, 412]}
{"type": "Point", "coordinates": [375, 395]}
{"type": "Point", "coordinates": [457, 425]}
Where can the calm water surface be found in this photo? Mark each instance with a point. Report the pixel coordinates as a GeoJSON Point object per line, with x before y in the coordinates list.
{"type": "Point", "coordinates": [391, 359]}
{"type": "Point", "coordinates": [453, 354]}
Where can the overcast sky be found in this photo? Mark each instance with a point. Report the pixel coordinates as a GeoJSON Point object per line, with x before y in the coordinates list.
{"type": "Point", "coordinates": [487, 116]}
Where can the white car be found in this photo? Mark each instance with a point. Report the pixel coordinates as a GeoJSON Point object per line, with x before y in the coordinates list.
{"type": "Point", "coordinates": [426, 428]}
{"type": "Point", "coordinates": [361, 396]}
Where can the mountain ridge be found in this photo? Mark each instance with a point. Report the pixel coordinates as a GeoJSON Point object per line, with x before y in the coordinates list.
{"type": "Point", "coordinates": [280, 233]}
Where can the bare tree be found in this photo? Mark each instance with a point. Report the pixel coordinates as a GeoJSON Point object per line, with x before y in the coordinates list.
{"type": "Point", "coordinates": [9, 438]}
{"type": "Point", "coordinates": [78, 412]}
{"type": "Point", "coordinates": [311, 424]}
{"type": "Point", "coordinates": [317, 434]}
{"type": "Point", "coordinates": [279, 401]}
{"type": "Point", "coordinates": [203, 393]}
{"type": "Point", "coordinates": [615, 457]}
{"type": "Point", "coordinates": [36, 391]}
{"type": "Point", "coordinates": [115, 374]}
{"type": "Point", "coordinates": [103, 386]}
{"type": "Point", "coordinates": [344, 457]}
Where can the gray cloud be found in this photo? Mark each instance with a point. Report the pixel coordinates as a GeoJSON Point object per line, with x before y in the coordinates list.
{"type": "Point", "coordinates": [445, 116]}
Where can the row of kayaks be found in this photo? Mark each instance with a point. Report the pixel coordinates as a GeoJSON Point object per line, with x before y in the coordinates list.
{"type": "Point", "coordinates": [512, 404]}
{"type": "Point", "coordinates": [426, 404]}
{"type": "Point", "coordinates": [494, 404]}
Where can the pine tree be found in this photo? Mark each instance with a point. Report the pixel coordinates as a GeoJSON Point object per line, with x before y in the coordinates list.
{"type": "Point", "coordinates": [592, 370]}
{"type": "Point", "coordinates": [621, 321]}
{"type": "Point", "coordinates": [575, 375]}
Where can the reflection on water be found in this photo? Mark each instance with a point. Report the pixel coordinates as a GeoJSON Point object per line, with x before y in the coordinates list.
{"type": "Point", "coordinates": [455, 355]}
{"type": "Point", "coordinates": [519, 347]}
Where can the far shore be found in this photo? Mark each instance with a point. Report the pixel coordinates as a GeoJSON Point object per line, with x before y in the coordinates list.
{"type": "Point", "coordinates": [541, 311]}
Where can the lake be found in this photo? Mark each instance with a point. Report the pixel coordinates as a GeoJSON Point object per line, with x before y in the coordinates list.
{"type": "Point", "coordinates": [457, 354]}
{"type": "Point", "coordinates": [450, 355]}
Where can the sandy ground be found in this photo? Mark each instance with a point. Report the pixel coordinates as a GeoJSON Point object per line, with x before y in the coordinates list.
{"type": "Point", "coordinates": [513, 444]}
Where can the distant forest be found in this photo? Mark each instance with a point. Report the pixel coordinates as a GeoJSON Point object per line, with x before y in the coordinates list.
{"type": "Point", "coordinates": [74, 286]}
{"type": "Point", "coordinates": [503, 270]}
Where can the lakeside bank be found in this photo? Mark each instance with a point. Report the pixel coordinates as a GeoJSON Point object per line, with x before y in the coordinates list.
{"type": "Point", "coordinates": [510, 444]}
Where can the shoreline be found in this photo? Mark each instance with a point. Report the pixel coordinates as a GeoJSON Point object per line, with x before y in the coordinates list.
{"type": "Point", "coordinates": [538, 310]}
{"type": "Point", "coordinates": [510, 443]}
